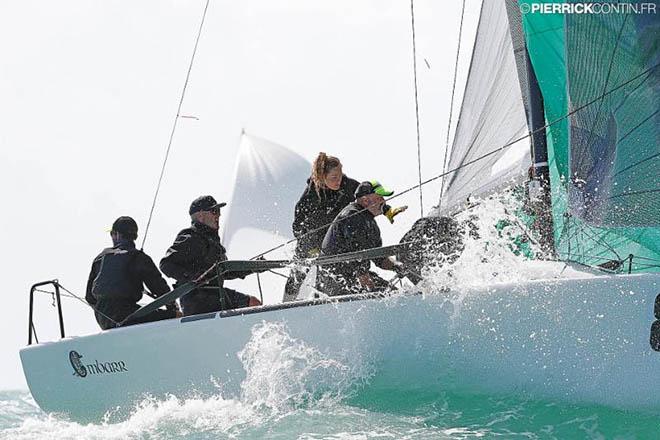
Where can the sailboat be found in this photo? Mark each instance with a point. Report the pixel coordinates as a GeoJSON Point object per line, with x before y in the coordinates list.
{"type": "Point", "coordinates": [571, 97]}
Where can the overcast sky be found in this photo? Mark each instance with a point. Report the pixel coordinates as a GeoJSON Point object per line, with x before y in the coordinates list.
{"type": "Point", "coordinates": [89, 90]}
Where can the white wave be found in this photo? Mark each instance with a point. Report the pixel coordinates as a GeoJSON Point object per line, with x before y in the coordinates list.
{"type": "Point", "coordinates": [283, 376]}
{"type": "Point", "coordinates": [283, 373]}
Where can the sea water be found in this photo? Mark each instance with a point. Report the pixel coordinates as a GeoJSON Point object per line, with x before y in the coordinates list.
{"type": "Point", "coordinates": [294, 391]}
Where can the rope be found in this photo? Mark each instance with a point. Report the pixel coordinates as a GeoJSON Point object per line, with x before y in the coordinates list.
{"type": "Point", "coordinates": [176, 119]}
{"type": "Point", "coordinates": [451, 103]}
{"type": "Point", "coordinates": [477, 159]}
{"type": "Point", "coordinates": [419, 151]}
{"type": "Point", "coordinates": [261, 294]}
{"type": "Point", "coordinates": [85, 302]}
{"type": "Point", "coordinates": [73, 295]}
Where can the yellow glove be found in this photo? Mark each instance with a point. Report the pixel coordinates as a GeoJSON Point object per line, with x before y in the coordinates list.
{"type": "Point", "coordinates": [390, 212]}
{"type": "Point", "coordinates": [314, 252]}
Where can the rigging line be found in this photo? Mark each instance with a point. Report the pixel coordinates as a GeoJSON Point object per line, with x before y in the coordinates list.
{"type": "Point", "coordinates": [593, 235]}
{"type": "Point", "coordinates": [633, 193]}
{"type": "Point", "coordinates": [278, 274]}
{"type": "Point", "coordinates": [529, 134]}
{"type": "Point", "coordinates": [625, 98]}
{"type": "Point", "coordinates": [595, 257]}
{"type": "Point", "coordinates": [174, 124]}
{"type": "Point", "coordinates": [646, 266]}
{"type": "Point", "coordinates": [581, 229]}
{"type": "Point", "coordinates": [53, 293]}
{"type": "Point", "coordinates": [591, 139]}
{"type": "Point", "coordinates": [419, 151]}
{"type": "Point", "coordinates": [623, 170]}
{"type": "Point", "coordinates": [476, 159]}
{"type": "Point", "coordinates": [637, 257]}
{"type": "Point", "coordinates": [86, 303]}
{"type": "Point", "coordinates": [451, 102]}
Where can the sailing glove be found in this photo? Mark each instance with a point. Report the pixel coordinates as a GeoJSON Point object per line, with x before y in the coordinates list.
{"type": "Point", "coordinates": [390, 212]}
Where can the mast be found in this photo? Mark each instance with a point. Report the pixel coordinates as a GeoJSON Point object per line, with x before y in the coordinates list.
{"type": "Point", "coordinates": [538, 186]}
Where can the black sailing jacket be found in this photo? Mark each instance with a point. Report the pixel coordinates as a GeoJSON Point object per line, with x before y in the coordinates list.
{"type": "Point", "coordinates": [116, 280]}
{"type": "Point", "coordinates": [318, 211]}
{"type": "Point", "coordinates": [196, 249]}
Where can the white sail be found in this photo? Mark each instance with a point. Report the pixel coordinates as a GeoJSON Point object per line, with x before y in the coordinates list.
{"type": "Point", "coordinates": [492, 115]}
{"type": "Point", "coordinates": [267, 184]}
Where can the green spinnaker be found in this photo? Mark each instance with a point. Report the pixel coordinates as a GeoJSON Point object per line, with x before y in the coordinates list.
{"type": "Point", "coordinates": [604, 159]}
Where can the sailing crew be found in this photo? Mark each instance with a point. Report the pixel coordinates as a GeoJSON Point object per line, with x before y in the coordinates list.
{"type": "Point", "coordinates": [328, 191]}
{"type": "Point", "coordinates": [355, 229]}
{"type": "Point", "coordinates": [117, 277]}
{"type": "Point", "coordinates": [195, 250]}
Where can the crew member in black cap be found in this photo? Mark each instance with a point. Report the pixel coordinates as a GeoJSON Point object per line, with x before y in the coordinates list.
{"type": "Point", "coordinates": [355, 229]}
{"type": "Point", "coordinates": [116, 280]}
{"type": "Point", "coordinates": [194, 251]}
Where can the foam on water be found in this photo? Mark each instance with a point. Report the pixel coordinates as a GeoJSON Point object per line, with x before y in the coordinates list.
{"type": "Point", "coordinates": [283, 376]}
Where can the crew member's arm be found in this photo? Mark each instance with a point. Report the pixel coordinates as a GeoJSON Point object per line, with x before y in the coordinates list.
{"type": "Point", "coordinates": [89, 297]}
{"type": "Point", "coordinates": [146, 271]}
{"type": "Point", "coordinates": [303, 223]}
{"type": "Point", "coordinates": [178, 261]}
{"type": "Point", "coordinates": [356, 239]}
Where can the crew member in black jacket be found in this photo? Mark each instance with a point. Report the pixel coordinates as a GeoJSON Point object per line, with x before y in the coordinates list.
{"type": "Point", "coordinates": [194, 251]}
{"type": "Point", "coordinates": [328, 191]}
{"type": "Point", "coordinates": [118, 273]}
{"type": "Point", "coordinates": [355, 229]}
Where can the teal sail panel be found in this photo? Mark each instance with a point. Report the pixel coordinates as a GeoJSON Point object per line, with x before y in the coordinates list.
{"type": "Point", "coordinates": [601, 69]}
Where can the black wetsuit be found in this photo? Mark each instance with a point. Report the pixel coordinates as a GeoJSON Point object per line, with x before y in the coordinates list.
{"type": "Point", "coordinates": [354, 229]}
{"type": "Point", "coordinates": [115, 285]}
{"type": "Point", "coordinates": [313, 215]}
{"type": "Point", "coordinates": [317, 211]}
{"type": "Point", "coordinates": [195, 250]}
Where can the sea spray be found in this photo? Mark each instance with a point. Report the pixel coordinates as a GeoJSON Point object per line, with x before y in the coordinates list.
{"type": "Point", "coordinates": [284, 376]}
{"type": "Point", "coordinates": [496, 248]}
{"type": "Point", "coordinates": [285, 373]}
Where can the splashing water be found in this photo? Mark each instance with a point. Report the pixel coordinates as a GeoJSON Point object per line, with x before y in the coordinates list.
{"type": "Point", "coordinates": [497, 248]}
{"type": "Point", "coordinates": [284, 376]}
{"type": "Point", "coordinates": [283, 373]}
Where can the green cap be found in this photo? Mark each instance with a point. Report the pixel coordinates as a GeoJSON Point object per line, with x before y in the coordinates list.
{"type": "Point", "coordinates": [372, 187]}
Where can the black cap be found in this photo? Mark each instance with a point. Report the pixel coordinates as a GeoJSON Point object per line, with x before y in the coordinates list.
{"type": "Point", "coordinates": [372, 187]}
{"type": "Point", "coordinates": [204, 203]}
{"type": "Point", "coordinates": [126, 226]}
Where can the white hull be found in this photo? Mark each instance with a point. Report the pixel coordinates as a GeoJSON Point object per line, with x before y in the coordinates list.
{"type": "Point", "coordinates": [578, 340]}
